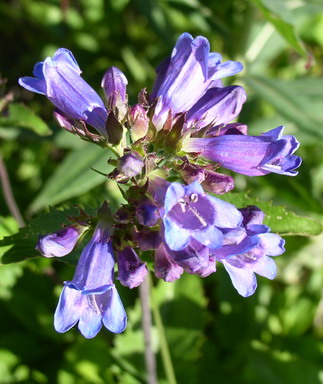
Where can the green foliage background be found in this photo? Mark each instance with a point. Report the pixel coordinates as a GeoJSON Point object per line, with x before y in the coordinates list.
{"type": "Point", "coordinates": [214, 335]}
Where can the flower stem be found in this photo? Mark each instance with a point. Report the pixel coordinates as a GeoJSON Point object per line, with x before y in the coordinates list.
{"type": "Point", "coordinates": [166, 357]}
{"type": "Point", "coordinates": [8, 195]}
{"type": "Point", "coordinates": [146, 324]}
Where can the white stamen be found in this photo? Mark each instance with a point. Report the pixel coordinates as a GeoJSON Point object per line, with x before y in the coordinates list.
{"type": "Point", "coordinates": [182, 204]}
{"type": "Point", "coordinates": [194, 197]}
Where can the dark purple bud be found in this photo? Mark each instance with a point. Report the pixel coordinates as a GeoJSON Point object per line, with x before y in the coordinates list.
{"type": "Point", "coordinates": [165, 267]}
{"type": "Point", "coordinates": [130, 164]}
{"type": "Point", "coordinates": [114, 84]}
{"type": "Point", "coordinates": [59, 243]}
{"type": "Point", "coordinates": [147, 213]}
{"type": "Point", "coordinates": [131, 270]}
{"type": "Point", "coordinates": [139, 122]}
{"type": "Point", "coordinates": [217, 183]}
{"type": "Point", "coordinates": [191, 173]}
{"type": "Point", "coordinates": [147, 239]}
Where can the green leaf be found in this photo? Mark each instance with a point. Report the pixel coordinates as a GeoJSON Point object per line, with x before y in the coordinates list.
{"type": "Point", "coordinates": [22, 117]}
{"type": "Point", "coordinates": [74, 176]}
{"type": "Point", "coordinates": [283, 27]}
{"type": "Point", "coordinates": [21, 245]}
{"type": "Point", "coordinates": [278, 218]}
{"type": "Point", "coordinates": [292, 105]}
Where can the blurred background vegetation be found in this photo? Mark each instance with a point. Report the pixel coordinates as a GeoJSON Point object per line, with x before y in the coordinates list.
{"type": "Point", "coordinates": [214, 335]}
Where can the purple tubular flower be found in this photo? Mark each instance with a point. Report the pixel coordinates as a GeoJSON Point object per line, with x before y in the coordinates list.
{"type": "Point", "coordinates": [90, 311]}
{"type": "Point", "coordinates": [95, 268]}
{"type": "Point", "coordinates": [59, 79]}
{"type": "Point", "coordinates": [59, 243]}
{"type": "Point", "coordinates": [184, 78]}
{"type": "Point", "coordinates": [250, 155]}
{"type": "Point", "coordinates": [191, 214]}
{"type": "Point", "coordinates": [114, 84]}
{"type": "Point", "coordinates": [217, 106]}
{"type": "Point", "coordinates": [91, 297]}
{"type": "Point", "coordinates": [165, 267]}
{"type": "Point", "coordinates": [251, 255]}
{"type": "Point", "coordinates": [131, 270]}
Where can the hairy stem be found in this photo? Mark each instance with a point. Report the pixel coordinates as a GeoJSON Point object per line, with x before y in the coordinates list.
{"type": "Point", "coordinates": [147, 325]}
{"type": "Point", "coordinates": [8, 195]}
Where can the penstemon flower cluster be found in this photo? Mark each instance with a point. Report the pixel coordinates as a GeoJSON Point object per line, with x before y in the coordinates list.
{"type": "Point", "coordinates": [169, 147]}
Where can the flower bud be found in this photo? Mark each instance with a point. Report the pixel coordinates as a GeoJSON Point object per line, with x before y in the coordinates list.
{"type": "Point", "coordinates": [165, 267]}
{"type": "Point", "coordinates": [114, 84]}
{"type": "Point", "coordinates": [191, 173]}
{"type": "Point", "coordinates": [147, 213]}
{"type": "Point", "coordinates": [139, 122]}
{"type": "Point", "coordinates": [217, 182]}
{"type": "Point", "coordinates": [59, 243]}
{"type": "Point", "coordinates": [147, 239]}
{"type": "Point", "coordinates": [131, 270]}
{"type": "Point", "coordinates": [130, 165]}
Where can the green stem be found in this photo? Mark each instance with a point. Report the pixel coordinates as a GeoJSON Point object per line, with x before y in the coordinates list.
{"type": "Point", "coordinates": [166, 357]}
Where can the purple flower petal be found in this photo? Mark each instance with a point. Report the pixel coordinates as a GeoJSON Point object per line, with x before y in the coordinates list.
{"type": "Point", "coordinates": [90, 322]}
{"type": "Point", "coordinates": [243, 279]}
{"type": "Point", "coordinates": [226, 214]}
{"type": "Point", "coordinates": [266, 267]}
{"type": "Point", "coordinates": [217, 106]}
{"type": "Point", "coordinates": [211, 237]}
{"type": "Point", "coordinates": [272, 244]}
{"type": "Point", "coordinates": [69, 309]}
{"type": "Point", "coordinates": [114, 315]}
{"type": "Point", "coordinates": [176, 237]}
